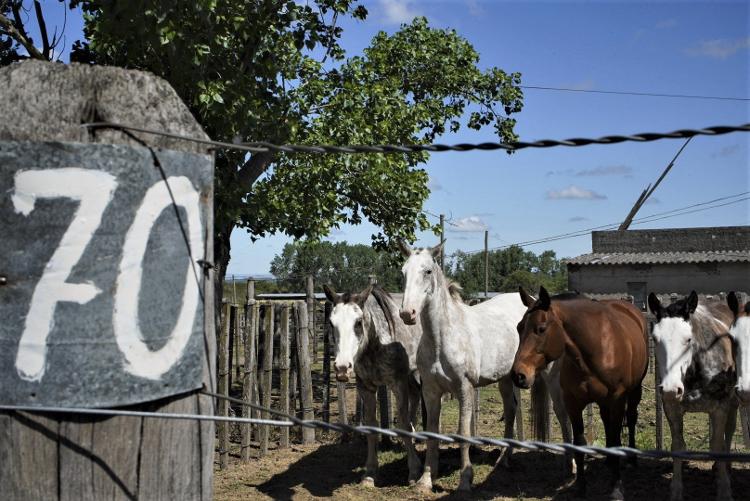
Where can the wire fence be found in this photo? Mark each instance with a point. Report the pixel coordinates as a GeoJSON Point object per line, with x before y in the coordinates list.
{"type": "Point", "coordinates": [421, 436]}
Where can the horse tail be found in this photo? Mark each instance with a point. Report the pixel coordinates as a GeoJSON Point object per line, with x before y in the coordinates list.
{"type": "Point", "coordinates": [540, 409]}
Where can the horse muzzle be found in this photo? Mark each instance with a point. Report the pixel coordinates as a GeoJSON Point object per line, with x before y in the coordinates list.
{"type": "Point", "coordinates": [742, 395]}
{"type": "Point", "coordinates": [672, 394]}
{"type": "Point", "coordinates": [522, 380]}
{"type": "Point", "coordinates": [408, 316]}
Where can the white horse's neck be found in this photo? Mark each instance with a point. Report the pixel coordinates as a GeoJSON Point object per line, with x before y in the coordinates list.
{"type": "Point", "coordinates": [438, 306]}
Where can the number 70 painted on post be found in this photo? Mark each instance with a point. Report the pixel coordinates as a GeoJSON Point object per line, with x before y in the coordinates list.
{"type": "Point", "coordinates": [93, 190]}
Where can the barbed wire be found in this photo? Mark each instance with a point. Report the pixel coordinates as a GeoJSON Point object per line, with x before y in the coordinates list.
{"type": "Point", "coordinates": [266, 147]}
{"type": "Point", "coordinates": [451, 438]}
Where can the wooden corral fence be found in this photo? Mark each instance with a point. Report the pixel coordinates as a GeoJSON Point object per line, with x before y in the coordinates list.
{"type": "Point", "coordinates": [267, 355]}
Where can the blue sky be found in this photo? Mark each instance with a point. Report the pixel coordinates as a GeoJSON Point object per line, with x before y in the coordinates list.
{"type": "Point", "coordinates": [700, 48]}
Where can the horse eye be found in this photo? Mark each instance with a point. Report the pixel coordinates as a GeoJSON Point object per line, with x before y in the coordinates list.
{"type": "Point", "coordinates": [541, 329]}
{"type": "Point", "coordinates": [429, 272]}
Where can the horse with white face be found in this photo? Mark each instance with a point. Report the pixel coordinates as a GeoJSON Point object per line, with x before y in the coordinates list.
{"type": "Point", "coordinates": [697, 371]}
{"type": "Point", "coordinates": [462, 347]}
{"type": "Point", "coordinates": [380, 351]}
{"type": "Point", "coordinates": [740, 332]}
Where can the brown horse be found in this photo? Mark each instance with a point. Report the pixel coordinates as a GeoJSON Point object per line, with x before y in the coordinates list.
{"type": "Point", "coordinates": [604, 346]}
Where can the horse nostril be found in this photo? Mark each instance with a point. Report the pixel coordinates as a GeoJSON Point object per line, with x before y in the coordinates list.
{"type": "Point", "coordinates": [350, 365]}
{"type": "Point", "coordinates": [679, 391]}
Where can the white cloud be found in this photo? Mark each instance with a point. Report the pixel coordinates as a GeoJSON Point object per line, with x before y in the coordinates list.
{"type": "Point", "coordinates": [666, 23]}
{"type": "Point", "coordinates": [573, 192]}
{"type": "Point", "coordinates": [607, 170]}
{"type": "Point", "coordinates": [398, 11]}
{"type": "Point", "coordinates": [469, 224]}
{"type": "Point", "coordinates": [720, 48]}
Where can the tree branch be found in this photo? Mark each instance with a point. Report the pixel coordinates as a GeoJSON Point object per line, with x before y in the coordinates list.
{"type": "Point", "coordinates": [16, 35]}
{"type": "Point", "coordinates": [253, 168]}
{"type": "Point", "coordinates": [42, 29]}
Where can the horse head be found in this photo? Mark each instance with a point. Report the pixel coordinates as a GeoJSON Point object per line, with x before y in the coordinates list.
{"type": "Point", "coordinates": [420, 274]}
{"type": "Point", "coordinates": [347, 319]}
{"type": "Point", "coordinates": [673, 342]}
{"type": "Point", "coordinates": [542, 338]}
{"type": "Point", "coordinates": [740, 332]}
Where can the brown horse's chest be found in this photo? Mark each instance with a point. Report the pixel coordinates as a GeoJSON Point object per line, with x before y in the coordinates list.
{"type": "Point", "coordinates": [580, 382]}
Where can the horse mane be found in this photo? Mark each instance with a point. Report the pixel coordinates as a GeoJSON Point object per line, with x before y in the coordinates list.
{"type": "Point", "coordinates": [454, 289]}
{"type": "Point", "coordinates": [382, 297]}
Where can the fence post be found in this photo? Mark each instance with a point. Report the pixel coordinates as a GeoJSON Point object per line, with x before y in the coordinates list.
{"type": "Point", "coordinates": [310, 300]}
{"type": "Point", "coordinates": [223, 385]}
{"type": "Point", "coordinates": [343, 413]}
{"type": "Point", "coordinates": [519, 414]}
{"type": "Point", "coordinates": [327, 363]}
{"type": "Point", "coordinates": [303, 364]}
{"type": "Point", "coordinates": [250, 367]}
{"type": "Point", "coordinates": [238, 341]}
{"type": "Point", "coordinates": [284, 370]}
{"type": "Point", "coordinates": [232, 327]}
{"type": "Point", "coordinates": [267, 375]}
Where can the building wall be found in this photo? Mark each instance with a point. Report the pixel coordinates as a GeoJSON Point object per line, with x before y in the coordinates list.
{"type": "Point", "coordinates": [726, 238]}
{"type": "Point", "coordinates": [706, 278]}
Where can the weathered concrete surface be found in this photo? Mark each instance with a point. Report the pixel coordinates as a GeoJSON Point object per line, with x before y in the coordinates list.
{"type": "Point", "coordinates": [74, 457]}
{"type": "Point", "coordinates": [730, 238]}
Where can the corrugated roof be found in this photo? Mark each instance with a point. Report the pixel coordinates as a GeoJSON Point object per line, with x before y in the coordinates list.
{"type": "Point", "coordinates": [604, 258]}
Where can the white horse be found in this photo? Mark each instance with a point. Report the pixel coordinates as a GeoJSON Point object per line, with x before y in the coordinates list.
{"type": "Point", "coordinates": [697, 370]}
{"type": "Point", "coordinates": [381, 351]}
{"type": "Point", "coordinates": [740, 332]}
{"type": "Point", "coordinates": [462, 347]}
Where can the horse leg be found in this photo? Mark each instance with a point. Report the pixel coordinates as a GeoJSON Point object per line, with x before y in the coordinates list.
{"type": "Point", "coordinates": [674, 414]}
{"type": "Point", "coordinates": [634, 398]}
{"type": "Point", "coordinates": [613, 429]}
{"type": "Point", "coordinates": [719, 420]}
{"type": "Point", "coordinates": [509, 416]}
{"type": "Point", "coordinates": [465, 408]}
{"type": "Point", "coordinates": [575, 413]}
{"type": "Point", "coordinates": [432, 405]}
{"type": "Point", "coordinates": [730, 429]}
{"type": "Point", "coordinates": [403, 399]}
{"type": "Point", "coordinates": [555, 392]}
{"type": "Point", "coordinates": [369, 402]}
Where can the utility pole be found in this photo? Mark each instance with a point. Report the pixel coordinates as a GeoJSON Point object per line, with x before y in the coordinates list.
{"type": "Point", "coordinates": [442, 242]}
{"type": "Point", "coordinates": [486, 265]}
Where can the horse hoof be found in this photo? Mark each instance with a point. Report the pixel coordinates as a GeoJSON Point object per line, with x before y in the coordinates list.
{"type": "Point", "coordinates": [367, 482]}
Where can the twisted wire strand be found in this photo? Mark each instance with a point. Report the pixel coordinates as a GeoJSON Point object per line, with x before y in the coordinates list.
{"type": "Point", "coordinates": [266, 147]}
{"type": "Point", "coordinates": [422, 436]}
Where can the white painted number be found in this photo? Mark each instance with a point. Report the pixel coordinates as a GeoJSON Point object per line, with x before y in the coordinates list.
{"type": "Point", "coordinates": [140, 360]}
{"type": "Point", "coordinates": [93, 189]}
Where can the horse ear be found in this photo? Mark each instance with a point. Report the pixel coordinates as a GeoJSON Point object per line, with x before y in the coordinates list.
{"type": "Point", "coordinates": [734, 303]}
{"type": "Point", "coordinates": [526, 298]}
{"type": "Point", "coordinates": [437, 250]}
{"type": "Point", "coordinates": [362, 296]}
{"type": "Point", "coordinates": [544, 299]}
{"type": "Point", "coordinates": [654, 304]}
{"type": "Point", "coordinates": [692, 303]}
{"type": "Point", "coordinates": [404, 248]}
{"type": "Point", "coordinates": [331, 294]}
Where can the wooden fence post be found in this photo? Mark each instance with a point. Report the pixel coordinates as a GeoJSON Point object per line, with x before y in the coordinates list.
{"type": "Point", "coordinates": [519, 414]}
{"type": "Point", "coordinates": [310, 300]}
{"type": "Point", "coordinates": [303, 364]}
{"type": "Point", "coordinates": [231, 335]}
{"type": "Point", "coordinates": [284, 370]}
{"type": "Point", "coordinates": [327, 363]}
{"type": "Point", "coordinates": [238, 341]}
{"type": "Point", "coordinates": [265, 431]}
{"type": "Point", "coordinates": [250, 368]}
{"type": "Point", "coordinates": [343, 413]}
{"type": "Point", "coordinates": [223, 385]}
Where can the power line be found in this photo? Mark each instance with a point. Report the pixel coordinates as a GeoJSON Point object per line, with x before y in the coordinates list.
{"type": "Point", "coordinates": [631, 93]}
{"type": "Point", "coordinates": [641, 220]}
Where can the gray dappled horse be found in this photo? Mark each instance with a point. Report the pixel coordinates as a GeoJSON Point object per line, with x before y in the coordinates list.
{"type": "Point", "coordinates": [371, 342]}
{"type": "Point", "coordinates": [697, 370]}
{"type": "Point", "coordinates": [462, 347]}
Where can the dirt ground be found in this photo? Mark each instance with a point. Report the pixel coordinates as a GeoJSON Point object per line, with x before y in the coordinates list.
{"type": "Point", "coordinates": [333, 470]}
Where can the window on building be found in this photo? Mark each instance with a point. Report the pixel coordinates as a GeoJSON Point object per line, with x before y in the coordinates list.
{"type": "Point", "coordinates": [637, 290]}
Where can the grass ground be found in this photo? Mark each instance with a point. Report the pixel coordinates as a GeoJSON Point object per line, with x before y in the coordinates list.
{"type": "Point", "coordinates": [331, 469]}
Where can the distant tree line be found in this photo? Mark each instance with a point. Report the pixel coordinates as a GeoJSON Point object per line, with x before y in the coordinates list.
{"type": "Point", "coordinates": [348, 267]}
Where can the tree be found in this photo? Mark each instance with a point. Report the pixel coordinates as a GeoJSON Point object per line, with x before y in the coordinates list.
{"type": "Point", "coordinates": [347, 267]}
{"type": "Point", "coordinates": [274, 70]}
{"type": "Point", "coordinates": [15, 42]}
{"type": "Point", "coordinates": [508, 269]}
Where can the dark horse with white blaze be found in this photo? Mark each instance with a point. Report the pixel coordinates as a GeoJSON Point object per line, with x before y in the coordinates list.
{"type": "Point", "coordinates": [693, 348]}
{"type": "Point", "coordinates": [381, 350]}
{"type": "Point", "coordinates": [604, 351]}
